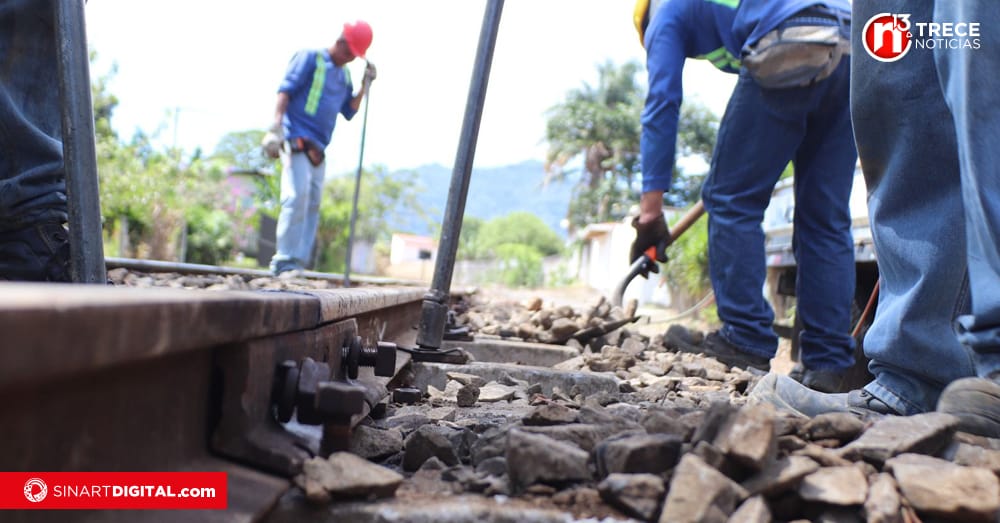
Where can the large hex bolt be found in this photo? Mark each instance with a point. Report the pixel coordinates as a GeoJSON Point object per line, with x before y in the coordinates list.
{"type": "Point", "coordinates": [337, 402]}
{"type": "Point", "coordinates": [311, 375]}
{"type": "Point", "coordinates": [355, 355]}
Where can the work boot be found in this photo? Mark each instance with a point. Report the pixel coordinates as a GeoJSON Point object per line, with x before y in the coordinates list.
{"type": "Point", "coordinates": [976, 404]}
{"type": "Point", "coordinates": [679, 337]}
{"type": "Point", "coordinates": [715, 346]}
{"type": "Point", "coordinates": [792, 396]}
{"type": "Point", "coordinates": [829, 381]}
{"type": "Point", "coordinates": [35, 253]}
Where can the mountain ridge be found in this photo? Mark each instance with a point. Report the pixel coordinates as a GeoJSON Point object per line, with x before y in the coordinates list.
{"type": "Point", "coordinates": [493, 192]}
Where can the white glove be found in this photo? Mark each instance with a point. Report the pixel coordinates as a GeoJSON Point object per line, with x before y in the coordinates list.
{"type": "Point", "coordinates": [272, 141]}
{"type": "Point", "coordinates": [369, 73]}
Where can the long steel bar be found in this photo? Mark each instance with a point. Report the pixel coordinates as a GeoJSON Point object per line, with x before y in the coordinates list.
{"type": "Point", "coordinates": [79, 148]}
{"type": "Point", "coordinates": [357, 192]}
{"type": "Point", "coordinates": [434, 312]}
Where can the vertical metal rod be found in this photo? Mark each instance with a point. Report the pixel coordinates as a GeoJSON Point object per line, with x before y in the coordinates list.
{"type": "Point", "coordinates": [357, 190]}
{"type": "Point", "coordinates": [435, 306]}
{"type": "Point", "coordinates": [79, 147]}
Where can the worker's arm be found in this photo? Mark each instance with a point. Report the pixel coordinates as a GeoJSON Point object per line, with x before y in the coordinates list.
{"type": "Point", "coordinates": [665, 63]}
{"type": "Point", "coordinates": [279, 109]}
{"type": "Point", "coordinates": [355, 101]}
{"type": "Point", "coordinates": [275, 135]}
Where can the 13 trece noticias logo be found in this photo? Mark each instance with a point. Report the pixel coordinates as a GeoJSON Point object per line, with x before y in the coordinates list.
{"type": "Point", "coordinates": [888, 37]}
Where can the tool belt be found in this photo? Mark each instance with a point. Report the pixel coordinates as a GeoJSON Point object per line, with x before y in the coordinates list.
{"type": "Point", "coordinates": [305, 145]}
{"type": "Point", "coordinates": [801, 51]}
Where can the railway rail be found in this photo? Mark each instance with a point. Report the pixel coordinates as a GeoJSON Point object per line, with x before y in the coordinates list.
{"type": "Point", "coordinates": [97, 378]}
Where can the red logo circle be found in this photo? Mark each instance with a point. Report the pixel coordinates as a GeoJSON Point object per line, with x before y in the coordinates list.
{"type": "Point", "coordinates": [887, 36]}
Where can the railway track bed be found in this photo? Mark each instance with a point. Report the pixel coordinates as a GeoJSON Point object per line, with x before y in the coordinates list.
{"type": "Point", "coordinates": [616, 427]}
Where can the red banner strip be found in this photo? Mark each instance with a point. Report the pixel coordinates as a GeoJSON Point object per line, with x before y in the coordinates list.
{"type": "Point", "coordinates": [113, 490]}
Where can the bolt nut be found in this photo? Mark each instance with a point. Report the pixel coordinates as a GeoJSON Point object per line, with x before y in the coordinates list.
{"type": "Point", "coordinates": [283, 390]}
{"type": "Point", "coordinates": [311, 374]}
{"type": "Point", "coordinates": [385, 359]}
{"type": "Point", "coordinates": [337, 401]}
{"type": "Point", "coordinates": [407, 395]}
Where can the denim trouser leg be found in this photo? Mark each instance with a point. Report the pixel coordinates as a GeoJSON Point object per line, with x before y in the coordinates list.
{"type": "Point", "coordinates": [823, 245]}
{"type": "Point", "coordinates": [908, 152]}
{"type": "Point", "coordinates": [316, 176]}
{"type": "Point", "coordinates": [301, 190]}
{"type": "Point", "coordinates": [967, 78]}
{"type": "Point", "coordinates": [32, 178]}
{"type": "Point", "coordinates": [762, 130]}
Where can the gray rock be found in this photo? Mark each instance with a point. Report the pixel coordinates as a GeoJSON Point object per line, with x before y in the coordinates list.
{"type": "Point", "coordinates": [753, 510]}
{"type": "Point", "coordinates": [637, 495]}
{"type": "Point", "coordinates": [973, 456]}
{"type": "Point", "coordinates": [425, 442]}
{"type": "Point", "coordinates": [749, 436]}
{"type": "Point", "coordinates": [550, 414]}
{"type": "Point", "coordinates": [582, 435]}
{"type": "Point", "coordinates": [533, 458]}
{"type": "Point", "coordinates": [468, 395]}
{"type": "Point", "coordinates": [490, 444]}
{"type": "Point", "coordinates": [842, 426]}
{"type": "Point", "coordinates": [882, 505]}
{"type": "Point", "coordinates": [666, 422]}
{"type": "Point", "coordinates": [835, 486]}
{"type": "Point", "coordinates": [493, 392]}
{"type": "Point", "coordinates": [942, 489]}
{"type": "Point", "coordinates": [700, 494]}
{"type": "Point", "coordinates": [345, 475]}
{"type": "Point", "coordinates": [374, 444]}
{"type": "Point", "coordinates": [894, 435]}
{"type": "Point", "coordinates": [649, 453]}
{"type": "Point", "coordinates": [496, 466]}
{"type": "Point", "coordinates": [781, 476]}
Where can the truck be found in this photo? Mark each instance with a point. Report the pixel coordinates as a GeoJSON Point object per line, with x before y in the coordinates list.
{"type": "Point", "coordinates": [781, 266]}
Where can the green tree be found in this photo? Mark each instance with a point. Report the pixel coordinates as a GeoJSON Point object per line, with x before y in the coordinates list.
{"type": "Point", "coordinates": [242, 151]}
{"type": "Point", "coordinates": [469, 239]}
{"type": "Point", "coordinates": [599, 127]}
{"type": "Point", "coordinates": [520, 265]}
{"type": "Point", "coordinates": [518, 228]}
{"type": "Point", "coordinates": [383, 201]}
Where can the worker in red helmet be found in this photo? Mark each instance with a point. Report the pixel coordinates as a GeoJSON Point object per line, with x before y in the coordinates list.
{"type": "Point", "coordinates": [316, 88]}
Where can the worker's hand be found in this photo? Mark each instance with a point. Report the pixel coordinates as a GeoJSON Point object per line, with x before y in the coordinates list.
{"type": "Point", "coordinates": [651, 234]}
{"type": "Point", "coordinates": [272, 141]}
{"type": "Point", "coordinates": [370, 73]}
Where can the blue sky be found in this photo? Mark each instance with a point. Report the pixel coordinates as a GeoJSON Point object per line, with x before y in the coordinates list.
{"type": "Point", "coordinates": [217, 64]}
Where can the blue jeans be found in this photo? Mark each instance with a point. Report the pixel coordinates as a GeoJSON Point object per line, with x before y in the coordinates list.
{"type": "Point", "coordinates": [301, 192]}
{"type": "Point", "coordinates": [761, 131]}
{"type": "Point", "coordinates": [32, 178]}
{"type": "Point", "coordinates": [928, 135]}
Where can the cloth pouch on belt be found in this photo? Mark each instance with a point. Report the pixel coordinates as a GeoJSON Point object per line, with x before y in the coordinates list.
{"type": "Point", "coordinates": [796, 56]}
{"type": "Point", "coordinates": [314, 152]}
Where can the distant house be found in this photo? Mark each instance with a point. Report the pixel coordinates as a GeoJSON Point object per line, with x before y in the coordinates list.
{"type": "Point", "coordinates": [603, 261]}
{"type": "Point", "coordinates": [243, 186]}
{"type": "Point", "coordinates": [411, 257]}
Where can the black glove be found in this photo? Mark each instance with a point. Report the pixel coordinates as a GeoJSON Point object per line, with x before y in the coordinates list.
{"type": "Point", "coordinates": [654, 233]}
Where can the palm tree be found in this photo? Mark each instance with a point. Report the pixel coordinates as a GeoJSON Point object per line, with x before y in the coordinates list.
{"type": "Point", "coordinates": [601, 126]}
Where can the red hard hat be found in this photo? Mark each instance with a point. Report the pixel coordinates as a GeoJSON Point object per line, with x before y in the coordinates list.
{"type": "Point", "coordinates": [358, 36]}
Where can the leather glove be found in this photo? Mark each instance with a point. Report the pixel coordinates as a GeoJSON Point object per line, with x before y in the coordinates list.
{"type": "Point", "coordinates": [370, 73]}
{"type": "Point", "coordinates": [272, 141]}
{"type": "Point", "coordinates": [652, 234]}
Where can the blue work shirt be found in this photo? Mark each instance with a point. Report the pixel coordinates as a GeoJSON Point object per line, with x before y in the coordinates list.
{"type": "Point", "coordinates": [714, 30]}
{"type": "Point", "coordinates": [317, 91]}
